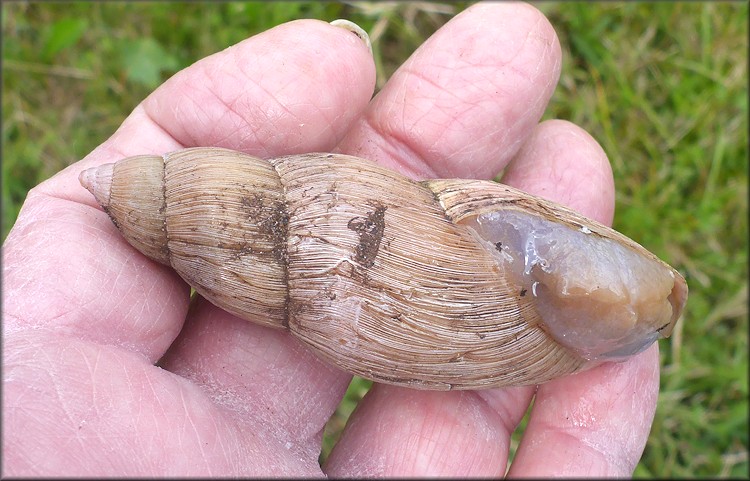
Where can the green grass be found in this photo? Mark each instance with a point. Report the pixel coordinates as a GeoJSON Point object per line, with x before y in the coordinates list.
{"type": "Point", "coordinates": [662, 86]}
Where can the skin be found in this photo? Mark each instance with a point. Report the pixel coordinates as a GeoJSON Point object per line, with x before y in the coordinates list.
{"type": "Point", "coordinates": [109, 369]}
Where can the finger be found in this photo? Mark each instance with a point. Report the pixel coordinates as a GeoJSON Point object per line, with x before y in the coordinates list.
{"type": "Point", "coordinates": [563, 163]}
{"type": "Point", "coordinates": [591, 424]}
{"type": "Point", "coordinates": [294, 88]}
{"type": "Point", "coordinates": [466, 99]}
{"type": "Point", "coordinates": [260, 374]}
{"type": "Point", "coordinates": [74, 408]}
{"type": "Point", "coordinates": [255, 371]}
{"type": "Point", "coordinates": [66, 269]}
{"type": "Point", "coordinates": [452, 110]}
{"type": "Point", "coordinates": [404, 432]}
{"type": "Point", "coordinates": [594, 423]}
{"type": "Point", "coordinates": [78, 274]}
{"type": "Point", "coordinates": [361, 445]}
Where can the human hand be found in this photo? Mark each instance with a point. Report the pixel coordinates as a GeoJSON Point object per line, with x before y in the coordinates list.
{"type": "Point", "coordinates": [87, 318]}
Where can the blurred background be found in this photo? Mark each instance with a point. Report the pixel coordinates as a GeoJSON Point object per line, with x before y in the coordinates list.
{"type": "Point", "coordinates": [662, 86]}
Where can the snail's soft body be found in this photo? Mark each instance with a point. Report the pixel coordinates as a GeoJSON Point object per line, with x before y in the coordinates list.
{"type": "Point", "coordinates": [443, 284]}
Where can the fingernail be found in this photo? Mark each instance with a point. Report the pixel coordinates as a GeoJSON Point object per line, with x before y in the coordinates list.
{"type": "Point", "coordinates": [355, 29]}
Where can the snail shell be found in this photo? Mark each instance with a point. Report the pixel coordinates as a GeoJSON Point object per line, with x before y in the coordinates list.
{"type": "Point", "coordinates": [441, 284]}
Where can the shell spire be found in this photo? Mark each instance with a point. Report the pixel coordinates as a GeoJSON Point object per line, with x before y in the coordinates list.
{"type": "Point", "coordinates": [131, 192]}
{"type": "Point", "coordinates": [98, 181]}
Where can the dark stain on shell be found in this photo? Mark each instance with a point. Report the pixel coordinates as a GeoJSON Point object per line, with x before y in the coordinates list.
{"type": "Point", "coordinates": [272, 219]}
{"type": "Point", "coordinates": [370, 230]}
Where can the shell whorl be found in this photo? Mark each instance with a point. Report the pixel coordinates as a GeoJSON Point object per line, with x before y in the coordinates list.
{"type": "Point", "coordinates": [132, 193]}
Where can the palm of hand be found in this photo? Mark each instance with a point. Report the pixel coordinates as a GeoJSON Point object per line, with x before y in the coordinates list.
{"type": "Point", "coordinates": [109, 370]}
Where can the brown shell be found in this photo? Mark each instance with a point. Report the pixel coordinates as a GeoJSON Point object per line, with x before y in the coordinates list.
{"type": "Point", "coordinates": [378, 274]}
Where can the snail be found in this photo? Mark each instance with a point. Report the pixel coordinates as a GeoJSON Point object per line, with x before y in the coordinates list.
{"type": "Point", "coordinates": [438, 284]}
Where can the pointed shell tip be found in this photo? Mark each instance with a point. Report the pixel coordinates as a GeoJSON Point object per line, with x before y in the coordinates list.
{"type": "Point", "coordinates": [98, 181]}
{"type": "Point", "coordinates": [86, 178]}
